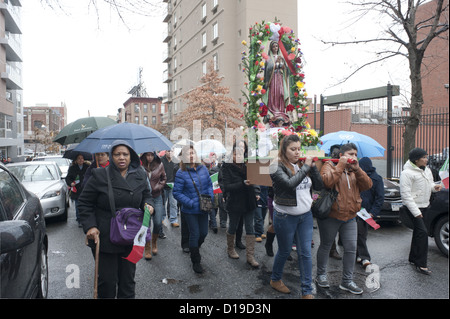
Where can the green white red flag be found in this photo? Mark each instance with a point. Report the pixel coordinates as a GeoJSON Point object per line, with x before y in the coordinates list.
{"type": "Point", "coordinates": [215, 183]}
{"type": "Point", "coordinates": [137, 252]}
{"type": "Point", "coordinates": [367, 218]}
{"type": "Point", "coordinates": [443, 173]}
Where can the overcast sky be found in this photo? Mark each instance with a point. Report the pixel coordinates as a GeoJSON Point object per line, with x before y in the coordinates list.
{"type": "Point", "coordinates": [90, 63]}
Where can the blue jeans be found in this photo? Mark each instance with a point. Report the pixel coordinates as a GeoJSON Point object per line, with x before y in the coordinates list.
{"type": "Point", "coordinates": [198, 228]}
{"type": "Point", "coordinates": [172, 203]}
{"type": "Point", "coordinates": [298, 229]}
{"type": "Point", "coordinates": [259, 222]}
{"type": "Point", "coordinates": [158, 216]}
{"type": "Point", "coordinates": [212, 218]}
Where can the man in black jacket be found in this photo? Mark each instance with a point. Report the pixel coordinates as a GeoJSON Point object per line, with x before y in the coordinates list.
{"type": "Point", "coordinates": [372, 201]}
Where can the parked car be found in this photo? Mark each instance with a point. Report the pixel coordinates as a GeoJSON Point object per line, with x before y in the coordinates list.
{"type": "Point", "coordinates": [44, 179]}
{"type": "Point", "coordinates": [436, 161]}
{"type": "Point", "coordinates": [23, 241]}
{"type": "Point", "coordinates": [63, 163]}
{"type": "Point", "coordinates": [392, 202]}
{"type": "Point", "coordinates": [436, 220]}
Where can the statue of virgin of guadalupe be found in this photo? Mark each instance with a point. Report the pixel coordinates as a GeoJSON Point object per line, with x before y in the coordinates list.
{"type": "Point", "coordinates": [276, 83]}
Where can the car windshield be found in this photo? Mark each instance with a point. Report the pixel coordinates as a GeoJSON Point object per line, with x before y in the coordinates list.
{"type": "Point", "coordinates": [58, 160]}
{"type": "Point", "coordinates": [34, 172]}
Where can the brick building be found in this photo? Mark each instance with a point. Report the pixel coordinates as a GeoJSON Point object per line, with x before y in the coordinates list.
{"type": "Point", "coordinates": [435, 67]}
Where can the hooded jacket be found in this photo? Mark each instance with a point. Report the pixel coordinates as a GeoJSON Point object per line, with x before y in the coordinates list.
{"type": "Point", "coordinates": [416, 186]}
{"type": "Point", "coordinates": [349, 184]}
{"type": "Point", "coordinates": [157, 176]}
{"type": "Point", "coordinates": [373, 198]}
{"type": "Point", "coordinates": [129, 191]}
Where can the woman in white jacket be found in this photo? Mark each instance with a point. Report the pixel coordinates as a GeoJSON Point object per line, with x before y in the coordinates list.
{"type": "Point", "coordinates": [416, 186]}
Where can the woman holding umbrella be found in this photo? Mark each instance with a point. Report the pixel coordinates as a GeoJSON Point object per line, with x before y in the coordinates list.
{"type": "Point", "coordinates": [101, 160]}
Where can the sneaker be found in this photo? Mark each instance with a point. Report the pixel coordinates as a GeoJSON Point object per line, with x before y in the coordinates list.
{"type": "Point", "coordinates": [258, 239]}
{"type": "Point", "coordinates": [322, 281]}
{"type": "Point", "coordinates": [365, 263]}
{"type": "Point", "coordinates": [351, 287]}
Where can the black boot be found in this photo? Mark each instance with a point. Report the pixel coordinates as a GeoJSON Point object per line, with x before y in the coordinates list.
{"type": "Point", "coordinates": [268, 244]}
{"type": "Point", "coordinates": [196, 258]}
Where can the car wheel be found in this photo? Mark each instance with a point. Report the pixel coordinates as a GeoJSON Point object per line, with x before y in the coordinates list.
{"type": "Point", "coordinates": [43, 281]}
{"type": "Point", "coordinates": [441, 234]}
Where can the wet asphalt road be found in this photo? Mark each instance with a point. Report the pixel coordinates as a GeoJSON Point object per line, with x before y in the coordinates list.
{"type": "Point", "coordinates": [169, 274]}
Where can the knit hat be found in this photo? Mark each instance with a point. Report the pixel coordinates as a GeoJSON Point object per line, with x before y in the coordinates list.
{"type": "Point", "coordinates": [416, 154]}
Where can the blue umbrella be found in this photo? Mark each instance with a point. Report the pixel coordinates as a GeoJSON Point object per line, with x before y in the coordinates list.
{"type": "Point", "coordinates": [367, 146]}
{"type": "Point", "coordinates": [141, 138]}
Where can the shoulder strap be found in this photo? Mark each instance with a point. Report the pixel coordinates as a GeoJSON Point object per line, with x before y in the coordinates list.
{"type": "Point", "coordinates": [193, 182]}
{"type": "Point", "coordinates": [110, 193]}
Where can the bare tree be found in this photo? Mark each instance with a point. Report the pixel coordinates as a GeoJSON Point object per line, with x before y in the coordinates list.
{"type": "Point", "coordinates": [121, 8]}
{"type": "Point", "coordinates": [407, 36]}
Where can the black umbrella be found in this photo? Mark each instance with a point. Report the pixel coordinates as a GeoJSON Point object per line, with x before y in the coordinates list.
{"type": "Point", "coordinates": [72, 154]}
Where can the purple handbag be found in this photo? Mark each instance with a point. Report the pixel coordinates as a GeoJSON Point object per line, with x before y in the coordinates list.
{"type": "Point", "coordinates": [125, 223]}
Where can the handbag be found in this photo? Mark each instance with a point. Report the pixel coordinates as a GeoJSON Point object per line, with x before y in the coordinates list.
{"type": "Point", "coordinates": [321, 206]}
{"type": "Point", "coordinates": [206, 204]}
{"type": "Point", "coordinates": [125, 223]}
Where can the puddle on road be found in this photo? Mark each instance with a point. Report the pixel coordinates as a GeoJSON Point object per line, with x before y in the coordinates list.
{"type": "Point", "coordinates": [195, 289]}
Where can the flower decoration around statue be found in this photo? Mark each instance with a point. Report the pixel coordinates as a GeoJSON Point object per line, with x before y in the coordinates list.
{"type": "Point", "coordinates": [275, 93]}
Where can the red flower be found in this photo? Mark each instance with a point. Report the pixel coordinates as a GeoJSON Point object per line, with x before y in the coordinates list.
{"type": "Point", "coordinates": [295, 94]}
{"type": "Point", "coordinates": [263, 91]}
{"type": "Point", "coordinates": [289, 108]}
{"type": "Point", "coordinates": [263, 109]}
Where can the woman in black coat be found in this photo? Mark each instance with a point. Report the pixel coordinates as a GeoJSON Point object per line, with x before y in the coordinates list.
{"type": "Point", "coordinates": [240, 201]}
{"type": "Point", "coordinates": [74, 179]}
{"type": "Point", "coordinates": [130, 189]}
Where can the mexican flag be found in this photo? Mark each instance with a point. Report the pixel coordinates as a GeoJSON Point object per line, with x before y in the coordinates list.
{"type": "Point", "coordinates": [367, 218]}
{"type": "Point", "coordinates": [443, 173]}
{"type": "Point", "coordinates": [139, 241]}
{"type": "Point", "coordinates": [215, 182]}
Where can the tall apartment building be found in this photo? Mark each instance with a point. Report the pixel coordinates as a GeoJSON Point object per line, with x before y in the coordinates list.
{"type": "Point", "coordinates": [11, 109]}
{"type": "Point", "coordinates": [199, 31]}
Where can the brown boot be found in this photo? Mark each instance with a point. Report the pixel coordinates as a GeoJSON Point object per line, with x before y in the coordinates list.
{"type": "Point", "coordinates": [154, 246]}
{"type": "Point", "coordinates": [230, 246]}
{"type": "Point", "coordinates": [308, 297]}
{"type": "Point", "coordinates": [250, 243]}
{"type": "Point", "coordinates": [147, 251]}
{"type": "Point", "coordinates": [279, 286]}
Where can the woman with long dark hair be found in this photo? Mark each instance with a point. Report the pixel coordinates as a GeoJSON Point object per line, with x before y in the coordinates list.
{"type": "Point", "coordinates": [157, 177]}
{"type": "Point", "coordinates": [292, 217]}
{"type": "Point", "coordinates": [240, 201]}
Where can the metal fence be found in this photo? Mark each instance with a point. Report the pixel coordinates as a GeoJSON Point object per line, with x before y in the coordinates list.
{"type": "Point", "coordinates": [431, 135]}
